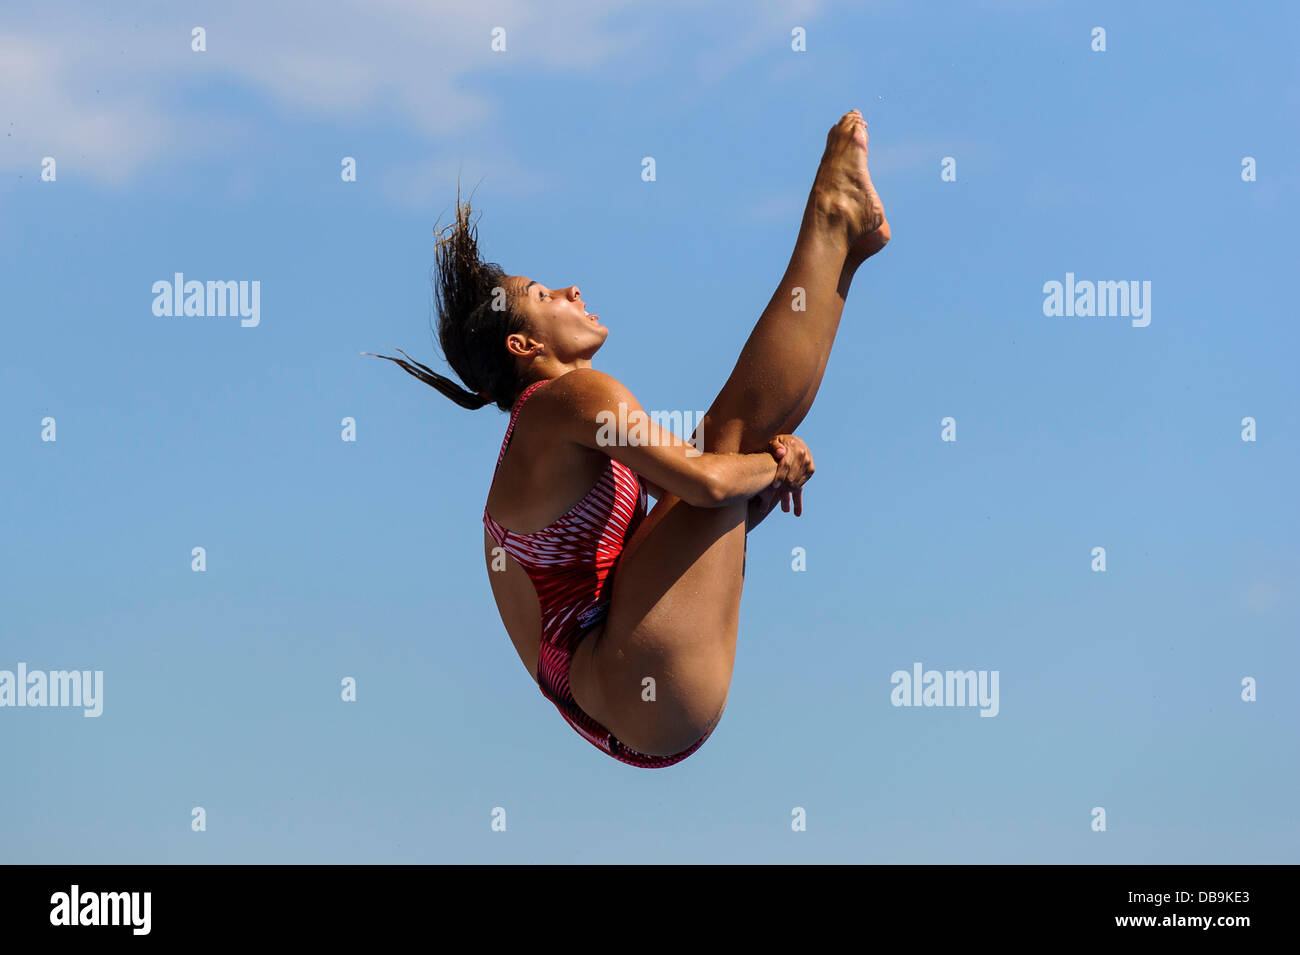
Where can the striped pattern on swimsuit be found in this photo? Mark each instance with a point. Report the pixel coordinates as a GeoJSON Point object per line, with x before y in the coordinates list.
{"type": "Point", "coordinates": [570, 563]}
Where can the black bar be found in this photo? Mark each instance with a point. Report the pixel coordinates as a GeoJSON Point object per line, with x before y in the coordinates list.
{"type": "Point", "coordinates": [375, 903]}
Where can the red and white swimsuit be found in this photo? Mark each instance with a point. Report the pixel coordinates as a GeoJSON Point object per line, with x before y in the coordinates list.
{"type": "Point", "coordinates": [571, 563]}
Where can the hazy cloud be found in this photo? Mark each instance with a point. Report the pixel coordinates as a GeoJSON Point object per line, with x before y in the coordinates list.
{"type": "Point", "coordinates": [108, 93]}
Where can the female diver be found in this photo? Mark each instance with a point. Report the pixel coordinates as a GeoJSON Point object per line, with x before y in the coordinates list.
{"type": "Point", "coordinates": [627, 620]}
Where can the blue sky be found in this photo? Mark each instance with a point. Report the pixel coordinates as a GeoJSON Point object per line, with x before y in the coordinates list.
{"type": "Point", "coordinates": [325, 559]}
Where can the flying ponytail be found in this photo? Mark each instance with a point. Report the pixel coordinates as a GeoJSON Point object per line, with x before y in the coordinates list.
{"type": "Point", "coordinates": [475, 317]}
{"type": "Point", "coordinates": [466, 399]}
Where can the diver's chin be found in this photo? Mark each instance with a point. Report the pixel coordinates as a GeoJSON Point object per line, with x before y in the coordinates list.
{"type": "Point", "coordinates": [590, 353]}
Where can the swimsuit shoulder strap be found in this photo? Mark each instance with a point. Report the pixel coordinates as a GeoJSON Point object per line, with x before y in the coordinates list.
{"type": "Point", "coordinates": [496, 530]}
{"type": "Point", "coordinates": [514, 416]}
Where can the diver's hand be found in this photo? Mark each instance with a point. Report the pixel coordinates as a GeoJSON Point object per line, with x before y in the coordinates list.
{"type": "Point", "coordinates": [794, 468]}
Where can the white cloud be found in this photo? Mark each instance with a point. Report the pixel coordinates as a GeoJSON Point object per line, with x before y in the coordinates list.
{"type": "Point", "coordinates": [752, 30]}
{"type": "Point", "coordinates": [51, 111]}
{"type": "Point", "coordinates": [110, 92]}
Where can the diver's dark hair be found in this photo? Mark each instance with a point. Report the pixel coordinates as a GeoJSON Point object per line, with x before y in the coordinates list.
{"type": "Point", "coordinates": [475, 315]}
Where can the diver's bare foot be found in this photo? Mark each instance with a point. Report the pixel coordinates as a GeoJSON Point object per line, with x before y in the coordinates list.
{"type": "Point", "coordinates": [842, 192]}
{"type": "Point", "coordinates": [868, 245]}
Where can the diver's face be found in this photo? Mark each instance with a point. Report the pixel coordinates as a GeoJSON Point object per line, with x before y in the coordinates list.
{"type": "Point", "coordinates": [558, 318]}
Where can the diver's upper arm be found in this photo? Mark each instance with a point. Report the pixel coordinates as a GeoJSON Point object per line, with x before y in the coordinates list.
{"type": "Point", "coordinates": [606, 416]}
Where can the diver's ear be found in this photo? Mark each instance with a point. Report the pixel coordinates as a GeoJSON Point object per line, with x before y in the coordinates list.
{"type": "Point", "coordinates": [523, 347]}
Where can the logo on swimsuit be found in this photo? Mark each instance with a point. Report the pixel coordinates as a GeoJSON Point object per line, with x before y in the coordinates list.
{"type": "Point", "coordinates": [594, 615]}
{"type": "Point", "coordinates": [641, 429]}
{"type": "Point", "coordinates": [947, 688]}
